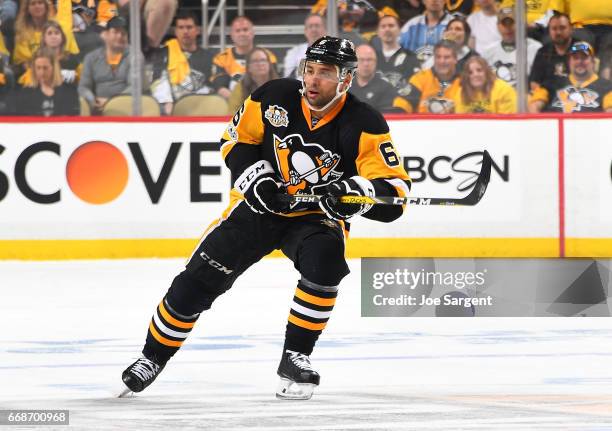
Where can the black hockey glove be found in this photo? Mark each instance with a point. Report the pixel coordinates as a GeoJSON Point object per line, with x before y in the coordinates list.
{"type": "Point", "coordinates": [259, 186]}
{"type": "Point", "coordinates": [357, 186]}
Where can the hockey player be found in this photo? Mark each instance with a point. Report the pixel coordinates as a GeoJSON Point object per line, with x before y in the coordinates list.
{"type": "Point", "coordinates": [289, 137]}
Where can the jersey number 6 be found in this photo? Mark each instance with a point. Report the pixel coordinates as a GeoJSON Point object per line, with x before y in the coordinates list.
{"type": "Point", "coordinates": [388, 152]}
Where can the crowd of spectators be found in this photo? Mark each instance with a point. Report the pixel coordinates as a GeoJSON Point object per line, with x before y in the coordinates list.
{"type": "Point", "coordinates": [414, 56]}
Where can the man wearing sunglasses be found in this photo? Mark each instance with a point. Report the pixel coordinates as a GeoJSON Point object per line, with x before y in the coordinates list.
{"type": "Point", "coordinates": [581, 91]}
{"type": "Point", "coordinates": [292, 138]}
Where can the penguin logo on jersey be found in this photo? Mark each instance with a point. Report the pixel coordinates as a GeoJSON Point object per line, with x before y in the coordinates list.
{"type": "Point", "coordinates": [479, 107]}
{"type": "Point", "coordinates": [439, 105]}
{"type": "Point", "coordinates": [304, 167]}
{"type": "Point", "coordinates": [277, 116]}
{"type": "Point", "coordinates": [505, 71]}
{"type": "Point", "coordinates": [560, 69]}
{"type": "Point", "coordinates": [572, 99]}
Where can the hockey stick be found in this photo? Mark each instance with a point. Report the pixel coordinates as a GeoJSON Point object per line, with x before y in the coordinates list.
{"type": "Point", "coordinates": [480, 186]}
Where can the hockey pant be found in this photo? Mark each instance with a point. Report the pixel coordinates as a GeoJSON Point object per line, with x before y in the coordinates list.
{"type": "Point", "coordinates": [230, 246]}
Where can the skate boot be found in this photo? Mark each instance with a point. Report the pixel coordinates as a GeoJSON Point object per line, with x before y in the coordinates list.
{"type": "Point", "coordinates": [297, 378]}
{"type": "Point", "coordinates": [139, 375]}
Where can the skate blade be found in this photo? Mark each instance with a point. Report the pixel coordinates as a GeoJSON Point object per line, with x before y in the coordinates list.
{"type": "Point", "coordinates": [290, 390]}
{"type": "Point", "coordinates": [125, 392]}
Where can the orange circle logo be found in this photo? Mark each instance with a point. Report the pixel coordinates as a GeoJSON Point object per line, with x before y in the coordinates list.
{"type": "Point", "coordinates": [97, 172]}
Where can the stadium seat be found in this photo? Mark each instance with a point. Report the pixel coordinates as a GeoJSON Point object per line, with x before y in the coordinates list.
{"type": "Point", "coordinates": [195, 105]}
{"type": "Point", "coordinates": [84, 107]}
{"type": "Point", "coordinates": [121, 106]}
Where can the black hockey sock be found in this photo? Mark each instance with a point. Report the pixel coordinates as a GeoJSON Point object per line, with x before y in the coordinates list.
{"type": "Point", "coordinates": [310, 311]}
{"type": "Point", "coordinates": [167, 332]}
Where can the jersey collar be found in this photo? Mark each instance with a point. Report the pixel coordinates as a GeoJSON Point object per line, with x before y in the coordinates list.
{"type": "Point", "coordinates": [586, 83]}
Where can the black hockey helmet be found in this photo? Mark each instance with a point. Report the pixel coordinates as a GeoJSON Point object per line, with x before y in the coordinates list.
{"type": "Point", "coordinates": [333, 50]}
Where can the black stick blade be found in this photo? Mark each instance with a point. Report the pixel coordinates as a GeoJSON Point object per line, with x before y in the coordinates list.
{"type": "Point", "coordinates": [480, 187]}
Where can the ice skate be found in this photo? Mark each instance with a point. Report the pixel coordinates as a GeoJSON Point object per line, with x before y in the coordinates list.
{"type": "Point", "coordinates": [297, 378]}
{"type": "Point", "coordinates": [139, 375]}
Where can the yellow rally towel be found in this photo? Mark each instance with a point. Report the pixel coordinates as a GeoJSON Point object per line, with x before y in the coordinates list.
{"type": "Point", "coordinates": [25, 80]}
{"type": "Point", "coordinates": [106, 10]}
{"type": "Point", "coordinates": [3, 49]}
{"type": "Point", "coordinates": [178, 66]}
{"type": "Point", "coordinates": [2, 79]}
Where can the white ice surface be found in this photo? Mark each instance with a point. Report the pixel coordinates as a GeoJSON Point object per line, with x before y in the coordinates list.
{"type": "Point", "coordinates": [68, 329]}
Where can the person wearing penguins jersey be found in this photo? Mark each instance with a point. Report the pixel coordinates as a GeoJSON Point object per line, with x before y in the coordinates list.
{"type": "Point", "coordinates": [289, 137]}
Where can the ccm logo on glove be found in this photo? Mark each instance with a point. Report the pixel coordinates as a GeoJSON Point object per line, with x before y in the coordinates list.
{"type": "Point", "coordinates": [251, 173]}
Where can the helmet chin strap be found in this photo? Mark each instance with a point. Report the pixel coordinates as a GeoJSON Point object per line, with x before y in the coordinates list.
{"type": "Point", "coordinates": [338, 95]}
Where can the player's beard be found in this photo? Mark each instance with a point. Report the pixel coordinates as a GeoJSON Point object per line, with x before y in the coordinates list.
{"type": "Point", "coordinates": [320, 101]}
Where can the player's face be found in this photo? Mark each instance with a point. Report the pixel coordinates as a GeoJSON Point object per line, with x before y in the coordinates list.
{"type": "Point", "coordinates": [320, 81]}
{"type": "Point", "coordinates": [445, 62]}
{"type": "Point", "coordinates": [476, 75]}
{"type": "Point", "coordinates": [560, 30]}
{"type": "Point", "coordinates": [456, 31]}
{"type": "Point", "coordinates": [506, 29]}
{"type": "Point", "coordinates": [242, 33]}
{"type": "Point", "coordinates": [581, 65]}
{"type": "Point", "coordinates": [314, 29]}
{"type": "Point", "coordinates": [43, 70]}
{"type": "Point", "coordinates": [53, 37]}
{"type": "Point", "coordinates": [186, 32]}
{"type": "Point", "coordinates": [366, 62]}
{"type": "Point", "coordinates": [388, 29]}
{"type": "Point", "coordinates": [434, 5]}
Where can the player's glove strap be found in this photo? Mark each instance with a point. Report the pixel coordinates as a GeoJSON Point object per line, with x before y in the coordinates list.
{"type": "Point", "coordinates": [356, 186]}
{"type": "Point", "coordinates": [258, 185]}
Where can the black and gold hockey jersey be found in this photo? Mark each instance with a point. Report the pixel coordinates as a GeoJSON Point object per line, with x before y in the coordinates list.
{"type": "Point", "coordinates": [565, 94]}
{"type": "Point", "coordinates": [398, 68]}
{"type": "Point", "coordinates": [426, 93]}
{"type": "Point", "coordinates": [275, 124]}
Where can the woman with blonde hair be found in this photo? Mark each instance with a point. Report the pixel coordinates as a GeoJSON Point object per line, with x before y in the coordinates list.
{"type": "Point", "coordinates": [33, 14]}
{"type": "Point", "coordinates": [259, 70]}
{"type": "Point", "coordinates": [47, 95]}
{"type": "Point", "coordinates": [54, 38]}
{"type": "Point", "coordinates": [482, 92]}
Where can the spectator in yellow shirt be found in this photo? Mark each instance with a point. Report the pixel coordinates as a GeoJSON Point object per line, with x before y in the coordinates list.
{"type": "Point", "coordinates": [230, 65]}
{"type": "Point", "coordinates": [33, 14]}
{"type": "Point", "coordinates": [482, 91]}
{"type": "Point", "coordinates": [434, 90]}
{"type": "Point", "coordinates": [54, 39]}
